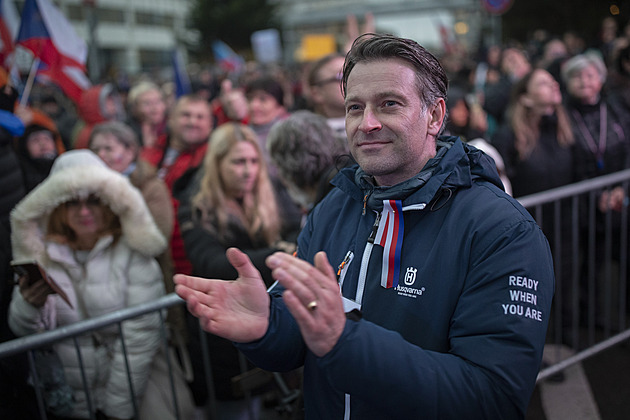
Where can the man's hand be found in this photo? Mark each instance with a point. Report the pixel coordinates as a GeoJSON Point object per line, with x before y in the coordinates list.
{"type": "Point", "coordinates": [234, 101]}
{"type": "Point", "coordinates": [313, 298]}
{"type": "Point", "coordinates": [236, 310]}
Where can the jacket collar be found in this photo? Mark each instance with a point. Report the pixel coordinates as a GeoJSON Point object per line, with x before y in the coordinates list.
{"type": "Point", "coordinates": [62, 253]}
{"type": "Point", "coordinates": [455, 166]}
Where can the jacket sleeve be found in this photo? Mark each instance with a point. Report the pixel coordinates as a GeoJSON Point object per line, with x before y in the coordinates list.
{"type": "Point", "coordinates": [141, 334]}
{"type": "Point", "coordinates": [159, 202]}
{"type": "Point", "coordinates": [282, 348]}
{"type": "Point", "coordinates": [495, 343]}
{"type": "Point", "coordinates": [25, 319]}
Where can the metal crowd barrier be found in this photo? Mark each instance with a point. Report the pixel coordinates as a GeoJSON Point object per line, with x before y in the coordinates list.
{"type": "Point", "coordinates": [589, 312]}
{"type": "Point", "coordinates": [287, 397]}
{"type": "Point", "coordinates": [590, 250]}
{"type": "Point", "coordinates": [33, 342]}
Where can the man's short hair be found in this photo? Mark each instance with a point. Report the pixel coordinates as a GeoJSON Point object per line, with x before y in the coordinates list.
{"type": "Point", "coordinates": [430, 75]}
{"type": "Point", "coordinates": [313, 74]}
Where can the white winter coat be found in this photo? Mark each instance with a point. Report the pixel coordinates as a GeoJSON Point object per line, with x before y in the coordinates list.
{"type": "Point", "coordinates": [116, 275]}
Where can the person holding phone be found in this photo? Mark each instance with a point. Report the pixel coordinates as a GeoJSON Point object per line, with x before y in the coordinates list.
{"type": "Point", "coordinates": [91, 232]}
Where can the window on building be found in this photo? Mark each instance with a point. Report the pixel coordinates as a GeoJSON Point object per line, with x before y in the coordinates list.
{"type": "Point", "coordinates": [143, 18]}
{"type": "Point", "coordinates": [110, 15]}
{"type": "Point", "coordinates": [75, 12]}
{"type": "Point", "coordinates": [154, 59]}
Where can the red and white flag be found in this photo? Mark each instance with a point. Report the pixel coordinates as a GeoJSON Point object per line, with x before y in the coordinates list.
{"type": "Point", "coordinates": [48, 34]}
{"type": "Point", "coordinates": [9, 25]}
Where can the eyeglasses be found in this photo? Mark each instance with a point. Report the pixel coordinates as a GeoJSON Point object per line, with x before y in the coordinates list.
{"type": "Point", "coordinates": [336, 79]}
{"type": "Point", "coordinates": [91, 201]}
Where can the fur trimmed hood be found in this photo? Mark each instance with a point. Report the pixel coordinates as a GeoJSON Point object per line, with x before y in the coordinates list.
{"type": "Point", "coordinates": [77, 174]}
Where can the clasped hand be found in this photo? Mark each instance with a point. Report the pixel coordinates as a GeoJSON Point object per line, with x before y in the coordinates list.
{"type": "Point", "coordinates": [239, 310]}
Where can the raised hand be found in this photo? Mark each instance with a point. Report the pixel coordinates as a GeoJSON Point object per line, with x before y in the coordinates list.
{"type": "Point", "coordinates": [237, 310]}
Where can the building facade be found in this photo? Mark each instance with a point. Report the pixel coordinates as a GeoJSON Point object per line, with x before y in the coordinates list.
{"type": "Point", "coordinates": [132, 36]}
{"type": "Point", "coordinates": [433, 23]}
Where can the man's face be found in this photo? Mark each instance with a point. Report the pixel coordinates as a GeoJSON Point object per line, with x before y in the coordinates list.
{"type": "Point", "coordinates": [390, 134]}
{"type": "Point", "coordinates": [191, 123]}
{"type": "Point", "coordinates": [326, 93]}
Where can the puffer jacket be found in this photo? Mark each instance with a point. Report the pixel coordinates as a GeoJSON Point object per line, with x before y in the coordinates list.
{"type": "Point", "coordinates": [461, 334]}
{"type": "Point", "coordinates": [117, 274]}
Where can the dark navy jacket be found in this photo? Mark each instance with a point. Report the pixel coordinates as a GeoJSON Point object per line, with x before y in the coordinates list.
{"type": "Point", "coordinates": [462, 335]}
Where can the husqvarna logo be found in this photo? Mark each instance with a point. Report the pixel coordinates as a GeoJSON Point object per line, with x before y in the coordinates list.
{"type": "Point", "coordinates": [410, 276]}
{"type": "Point", "coordinates": [409, 280]}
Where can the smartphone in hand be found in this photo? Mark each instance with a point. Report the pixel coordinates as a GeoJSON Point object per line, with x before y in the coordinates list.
{"type": "Point", "coordinates": [33, 272]}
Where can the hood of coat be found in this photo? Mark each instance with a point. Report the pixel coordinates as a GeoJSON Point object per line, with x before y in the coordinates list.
{"type": "Point", "coordinates": [39, 122]}
{"type": "Point", "coordinates": [92, 108]}
{"type": "Point", "coordinates": [456, 165]}
{"type": "Point", "coordinates": [78, 174]}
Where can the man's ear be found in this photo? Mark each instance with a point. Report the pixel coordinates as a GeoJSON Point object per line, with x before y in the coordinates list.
{"type": "Point", "coordinates": [436, 118]}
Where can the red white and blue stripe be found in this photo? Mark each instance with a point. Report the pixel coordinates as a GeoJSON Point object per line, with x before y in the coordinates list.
{"type": "Point", "coordinates": [390, 236]}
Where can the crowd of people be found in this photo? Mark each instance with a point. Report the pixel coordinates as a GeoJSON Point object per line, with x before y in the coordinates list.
{"type": "Point", "coordinates": [116, 195]}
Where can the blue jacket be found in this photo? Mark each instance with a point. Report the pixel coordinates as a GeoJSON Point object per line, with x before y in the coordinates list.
{"type": "Point", "coordinates": [462, 334]}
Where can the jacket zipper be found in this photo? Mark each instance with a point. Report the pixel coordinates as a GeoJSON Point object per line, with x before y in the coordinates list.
{"type": "Point", "coordinates": [343, 268]}
{"type": "Point", "coordinates": [367, 253]}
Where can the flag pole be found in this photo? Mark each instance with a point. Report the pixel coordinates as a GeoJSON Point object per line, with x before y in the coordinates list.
{"type": "Point", "coordinates": [29, 82]}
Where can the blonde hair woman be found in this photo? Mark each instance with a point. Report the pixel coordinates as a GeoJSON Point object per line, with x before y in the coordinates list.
{"type": "Point", "coordinates": [148, 112]}
{"type": "Point", "coordinates": [236, 185]}
{"type": "Point", "coordinates": [228, 202]}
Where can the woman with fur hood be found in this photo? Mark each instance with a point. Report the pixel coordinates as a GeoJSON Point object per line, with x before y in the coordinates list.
{"type": "Point", "coordinates": [91, 231]}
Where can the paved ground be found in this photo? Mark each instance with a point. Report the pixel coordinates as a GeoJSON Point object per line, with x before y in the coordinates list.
{"type": "Point", "coordinates": [597, 389]}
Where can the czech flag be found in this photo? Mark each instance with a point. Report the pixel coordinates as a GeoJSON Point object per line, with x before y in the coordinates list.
{"type": "Point", "coordinates": [48, 34]}
{"type": "Point", "coordinates": [9, 26]}
{"type": "Point", "coordinates": [227, 59]}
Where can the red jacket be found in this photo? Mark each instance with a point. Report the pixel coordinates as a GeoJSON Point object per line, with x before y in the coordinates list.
{"type": "Point", "coordinates": [187, 159]}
